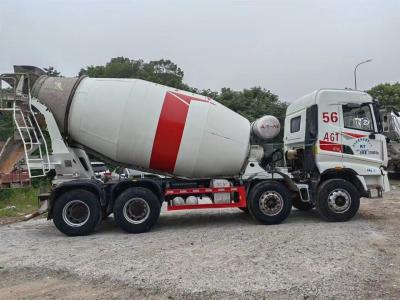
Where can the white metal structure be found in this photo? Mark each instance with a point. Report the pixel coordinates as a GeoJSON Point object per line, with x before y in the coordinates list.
{"type": "Point", "coordinates": [27, 125]}
{"type": "Point", "coordinates": [65, 160]}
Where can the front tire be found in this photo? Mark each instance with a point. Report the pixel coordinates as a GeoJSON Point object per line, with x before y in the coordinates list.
{"type": "Point", "coordinates": [270, 202]}
{"type": "Point", "coordinates": [338, 200]}
{"type": "Point", "coordinates": [77, 212]}
{"type": "Point", "coordinates": [136, 210]}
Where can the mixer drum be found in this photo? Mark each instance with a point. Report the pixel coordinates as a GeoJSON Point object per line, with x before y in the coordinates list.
{"type": "Point", "coordinates": [150, 126]}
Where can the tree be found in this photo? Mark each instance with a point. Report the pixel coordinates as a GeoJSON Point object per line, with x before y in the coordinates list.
{"type": "Point", "coordinates": [159, 71]}
{"type": "Point", "coordinates": [117, 67]}
{"type": "Point", "coordinates": [51, 71]}
{"type": "Point", "coordinates": [6, 126]}
{"type": "Point", "coordinates": [252, 103]}
{"type": "Point", "coordinates": [208, 93]}
{"type": "Point", "coordinates": [387, 94]}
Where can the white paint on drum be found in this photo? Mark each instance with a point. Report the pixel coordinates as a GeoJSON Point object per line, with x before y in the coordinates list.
{"type": "Point", "coordinates": [225, 144]}
{"type": "Point", "coordinates": [118, 118]}
{"type": "Point", "coordinates": [115, 118]}
{"type": "Point", "coordinates": [192, 138]}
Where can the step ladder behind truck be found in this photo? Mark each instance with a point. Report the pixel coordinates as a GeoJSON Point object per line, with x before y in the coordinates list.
{"type": "Point", "coordinates": [17, 101]}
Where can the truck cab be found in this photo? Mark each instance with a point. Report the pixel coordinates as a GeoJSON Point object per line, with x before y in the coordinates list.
{"type": "Point", "coordinates": [336, 134]}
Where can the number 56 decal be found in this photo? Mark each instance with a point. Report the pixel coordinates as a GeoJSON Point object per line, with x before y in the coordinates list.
{"type": "Point", "coordinates": [332, 117]}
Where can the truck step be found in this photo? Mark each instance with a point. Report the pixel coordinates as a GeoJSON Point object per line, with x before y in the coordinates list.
{"type": "Point", "coordinates": [374, 193]}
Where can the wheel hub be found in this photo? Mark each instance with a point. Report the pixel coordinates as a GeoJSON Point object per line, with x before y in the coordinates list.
{"type": "Point", "coordinates": [339, 201]}
{"type": "Point", "coordinates": [76, 213]}
{"type": "Point", "coordinates": [136, 210]}
{"type": "Point", "coordinates": [271, 203]}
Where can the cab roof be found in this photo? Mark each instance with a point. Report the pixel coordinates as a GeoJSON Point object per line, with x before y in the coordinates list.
{"type": "Point", "coordinates": [328, 96]}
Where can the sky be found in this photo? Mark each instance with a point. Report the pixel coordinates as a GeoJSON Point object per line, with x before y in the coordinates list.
{"type": "Point", "coordinates": [288, 47]}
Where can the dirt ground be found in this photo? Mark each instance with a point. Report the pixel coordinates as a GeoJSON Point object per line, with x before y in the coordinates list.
{"type": "Point", "coordinates": [210, 254]}
{"type": "Point", "coordinates": [9, 220]}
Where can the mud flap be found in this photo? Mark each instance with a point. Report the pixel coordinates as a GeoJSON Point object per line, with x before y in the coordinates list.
{"type": "Point", "coordinates": [385, 181]}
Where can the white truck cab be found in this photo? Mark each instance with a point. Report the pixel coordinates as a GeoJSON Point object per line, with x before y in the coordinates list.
{"type": "Point", "coordinates": [336, 135]}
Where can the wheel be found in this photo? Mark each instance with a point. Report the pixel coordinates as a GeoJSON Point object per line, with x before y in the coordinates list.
{"type": "Point", "coordinates": [76, 212]}
{"type": "Point", "coordinates": [338, 200]}
{"type": "Point", "coordinates": [270, 202]}
{"type": "Point", "coordinates": [300, 205]}
{"type": "Point", "coordinates": [244, 209]}
{"type": "Point", "coordinates": [136, 210]}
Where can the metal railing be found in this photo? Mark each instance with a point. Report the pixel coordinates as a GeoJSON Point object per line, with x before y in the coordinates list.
{"type": "Point", "coordinates": [17, 100]}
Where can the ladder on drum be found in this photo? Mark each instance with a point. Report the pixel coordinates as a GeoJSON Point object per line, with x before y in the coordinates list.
{"type": "Point", "coordinates": [19, 104]}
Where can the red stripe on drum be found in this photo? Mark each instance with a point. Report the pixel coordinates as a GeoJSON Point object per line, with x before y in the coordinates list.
{"type": "Point", "coordinates": [188, 99]}
{"type": "Point", "coordinates": [170, 130]}
{"type": "Point", "coordinates": [168, 134]}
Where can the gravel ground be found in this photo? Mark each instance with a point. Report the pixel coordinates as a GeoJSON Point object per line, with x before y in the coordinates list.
{"type": "Point", "coordinates": [210, 254]}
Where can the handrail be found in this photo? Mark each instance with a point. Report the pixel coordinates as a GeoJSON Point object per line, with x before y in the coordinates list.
{"type": "Point", "coordinates": [25, 121]}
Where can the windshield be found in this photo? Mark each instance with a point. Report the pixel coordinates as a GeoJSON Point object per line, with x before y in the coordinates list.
{"type": "Point", "coordinates": [358, 117]}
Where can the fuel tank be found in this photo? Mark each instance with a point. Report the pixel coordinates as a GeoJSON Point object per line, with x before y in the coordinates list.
{"type": "Point", "coordinates": [148, 126]}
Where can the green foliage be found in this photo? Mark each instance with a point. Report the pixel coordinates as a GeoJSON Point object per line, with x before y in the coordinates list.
{"type": "Point", "coordinates": [207, 93]}
{"type": "Point", "coordinates": [6, 126]}
{"type": "Point", "coordinates": [387, 94]}
{"type": "Point", "coordinates": [51, 71]}
{"type": "Point", "coordinates": [160, 71]}
{"type": "Point", "coordinates": [24, 200]}
{"type": "Point", "coordinates": [252, 103]}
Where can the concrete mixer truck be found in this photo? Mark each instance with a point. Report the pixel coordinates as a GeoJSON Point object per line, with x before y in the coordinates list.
{"type": "Point", "coordinates": [211, 157]}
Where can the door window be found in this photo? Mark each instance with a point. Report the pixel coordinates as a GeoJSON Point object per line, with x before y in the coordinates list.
{"type": "Point", "coordinates": [358, 117]}
{"type": "Point", "coordinates": [295, 124]}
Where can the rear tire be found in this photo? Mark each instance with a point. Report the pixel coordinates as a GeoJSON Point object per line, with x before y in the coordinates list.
{"type": "Point", "coordinates": [77, 212]}
{"type": "Point", "coordinates": [136, 210]}
{"type": "Point", "coordinates": [270, 202]}
{"type": "Point", "coordinates": [338, 200]}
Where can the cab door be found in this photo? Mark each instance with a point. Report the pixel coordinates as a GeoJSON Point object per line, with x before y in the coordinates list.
{"type": "Point", "coordinates": [329, 137]}
{"type": "Point", "coordinates": [363, 147]}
